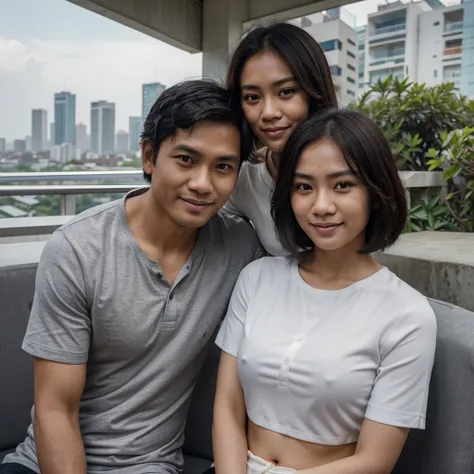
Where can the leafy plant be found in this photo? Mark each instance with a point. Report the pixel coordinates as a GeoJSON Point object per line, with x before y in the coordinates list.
{"type": "Point", "coordinates": [455, 158]}
{"type": "Point", "coordinates": [430, 214]}
{"type": "Point", "coordinates": [413, 116]}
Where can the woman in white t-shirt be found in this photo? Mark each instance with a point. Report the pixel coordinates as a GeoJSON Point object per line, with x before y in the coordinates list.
{"type": "Point", "coordinates": [280, 75]}
{"type": "Point", "coordinates": [326, 352]}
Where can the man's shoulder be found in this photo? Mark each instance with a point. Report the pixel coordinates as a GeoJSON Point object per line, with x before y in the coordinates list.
{"type": "Point", "coordinates": [93, 221]}
{"type": "Point", "coordinates": [232, 233]}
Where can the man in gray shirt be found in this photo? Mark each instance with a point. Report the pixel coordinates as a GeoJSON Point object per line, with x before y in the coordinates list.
{"type": "Point", "coordinates": [129, 293]}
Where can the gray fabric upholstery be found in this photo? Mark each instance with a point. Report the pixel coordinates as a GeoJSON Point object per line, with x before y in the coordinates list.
{"type": "Point", "coordinates": [447, 444]}
{"type": "Point", "coordinates": [446, 447]}
{"type": "Point", "coordinates": [198, 435]}
{"type": "Point", "coordinates": [16, 367]}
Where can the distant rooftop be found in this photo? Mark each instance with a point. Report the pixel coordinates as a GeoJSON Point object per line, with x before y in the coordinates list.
{"type": "Point", "coordinates": [11, 211]}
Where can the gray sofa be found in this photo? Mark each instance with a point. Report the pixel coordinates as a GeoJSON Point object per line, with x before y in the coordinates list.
{"type": "Point", "coordinates": [445, 447]}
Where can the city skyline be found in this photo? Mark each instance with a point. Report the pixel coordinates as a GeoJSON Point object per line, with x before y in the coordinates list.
{"type": "Point", "coordinates": [92, 56]}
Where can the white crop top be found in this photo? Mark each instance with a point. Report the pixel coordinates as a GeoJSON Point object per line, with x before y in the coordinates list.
{"type": "Point", "coordinates": [251, 199]}
{"type": "Point", "coordinates": [314, 363]}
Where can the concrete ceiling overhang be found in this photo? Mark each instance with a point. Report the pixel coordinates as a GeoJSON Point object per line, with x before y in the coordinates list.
{"type": "Point", "coordinates": [179, 22]}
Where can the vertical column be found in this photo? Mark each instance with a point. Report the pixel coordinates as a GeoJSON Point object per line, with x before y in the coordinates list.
{"type": "Point", "coordinates": [221, 31]}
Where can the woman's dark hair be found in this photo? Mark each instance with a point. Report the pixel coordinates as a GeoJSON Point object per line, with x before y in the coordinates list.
{"type": "Point", "coordinates": [187, 103]}
{"type": "Point", "coordinates": [299, 50]}
{"type": "Point", "coordinates": [369, 157]}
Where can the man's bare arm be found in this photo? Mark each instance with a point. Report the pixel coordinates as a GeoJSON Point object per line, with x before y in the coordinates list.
{"type": "Point", "coordinates": [58, 389]}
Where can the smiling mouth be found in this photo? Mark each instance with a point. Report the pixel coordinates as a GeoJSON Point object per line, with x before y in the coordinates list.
{"type": "Point", "coordinates": [275, 130]}
{"type": "Point", "coordinates": [327, 225]}
{"type": "Point", "coordinates": [197, 203]}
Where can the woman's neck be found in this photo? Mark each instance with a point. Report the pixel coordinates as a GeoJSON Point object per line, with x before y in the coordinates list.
{"type": "Point", "coordinates": [337, 269]}
{"type": "Point", "coordinates": [271, 160]}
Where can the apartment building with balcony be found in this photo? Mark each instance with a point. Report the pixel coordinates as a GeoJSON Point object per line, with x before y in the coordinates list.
{"type": "Point", "coordinates": [391, 41]}
{"type": "Point", "coordinates": [335, 34]}
{"type": "Point", "coordinates": [441, 46]}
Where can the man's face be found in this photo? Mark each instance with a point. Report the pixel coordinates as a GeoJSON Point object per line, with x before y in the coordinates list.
{"type": "Point", "coordinates": [195, 172]}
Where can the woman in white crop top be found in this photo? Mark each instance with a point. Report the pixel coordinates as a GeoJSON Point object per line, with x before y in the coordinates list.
{"type": "Point", "coordinates": [279, 74]}
{"type": "Point", "coordinates": [325, 352]}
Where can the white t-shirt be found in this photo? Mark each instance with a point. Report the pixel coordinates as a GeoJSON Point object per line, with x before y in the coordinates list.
{"type": "Point", "coordinates": [251, 199]}
{"type": "Point", "coordinates": [314, 363]}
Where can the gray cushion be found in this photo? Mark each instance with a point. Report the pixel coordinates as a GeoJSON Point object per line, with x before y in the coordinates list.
{"type": "Point", "coordinates": [195, 465]}
{"type": "Point", "coordinates": [16, 367]}
{"type": "Point", "coordinates": [198, 434]}
{"type": "Point", "coordinates": [446, 446]}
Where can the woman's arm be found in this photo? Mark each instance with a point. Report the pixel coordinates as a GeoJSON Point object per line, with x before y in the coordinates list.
{"type": "Point", "coordinates": [377, 452]}
{"type": "Point", "coordinates": [228, 431]}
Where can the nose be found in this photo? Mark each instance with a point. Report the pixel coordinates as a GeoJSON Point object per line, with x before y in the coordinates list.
{"type": "Point", "coordinates": [271, 110]}
{"type": "Point", "coordinates": [200, 181]}
{"type": "Point", "coordinates": [323, 204]}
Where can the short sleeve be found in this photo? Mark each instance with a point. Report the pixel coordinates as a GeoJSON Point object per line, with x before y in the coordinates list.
{"type": "Point", "coordinates": [400, 393]}
{"type": "Point", "coordinates": [59, 328]}
{"type": "Point", "coordinates": [233, 327]}
{"type": "Point", "coordinates": [231, 207]}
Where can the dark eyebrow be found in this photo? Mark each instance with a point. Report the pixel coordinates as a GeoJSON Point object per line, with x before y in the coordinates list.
{"type": "Point", "coordinates": [233, 158]}
{"type": "Point", "coordinates": [274, 84]}
{"type": "Point", "coordinates": [337, 174]}
{"type": "Point", "coordinates": [186, 149]}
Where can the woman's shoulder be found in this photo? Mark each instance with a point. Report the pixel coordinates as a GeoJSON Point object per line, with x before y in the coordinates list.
{"type": "Point", "coordinates": [267, 267]}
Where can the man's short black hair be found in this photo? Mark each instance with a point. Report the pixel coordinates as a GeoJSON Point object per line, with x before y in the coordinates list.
{"type": "Point", "coordinates": [187, 103]}
{"type": "Point", "coordinates": [368, 156]}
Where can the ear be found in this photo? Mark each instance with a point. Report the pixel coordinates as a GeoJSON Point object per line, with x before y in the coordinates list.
{"type": "Point", "coordinates": [147, 156]}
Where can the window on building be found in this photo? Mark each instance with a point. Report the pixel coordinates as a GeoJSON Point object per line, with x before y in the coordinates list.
{"type": "Point", "coordinates": [361, 46]}
{"type": "Point", "coordinates": [351, 93]}
{"type": "Point", "coordinates": [349, 79]}
{"type": "Point", "coordinates": [350, 42]}
{"type": "Point", "coordinates": [361, 75]}
{"type": "Point", "coordinates": [331, 45]}
{"type": "Point", "coordinates": [435, 73]}
{"type": "Point", "coordinates": [436, 23]}
{"type": "Point", "coordinates": [335, 70]}
{"type": "Point", "coordinates": [352, 55]}
{"type": "Point", "coordinates": [350, 67]}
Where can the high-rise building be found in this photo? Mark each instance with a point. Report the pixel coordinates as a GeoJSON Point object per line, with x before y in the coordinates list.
{"type": "Point", "coordinates": [39, 130]}
{"type": "Point", "coordinates": [467, 60]}
{"type": "Point", "coordinates": [3, 145]}
{"type": "Point", "coordinates": [103, 127]}
{"type": "Point", "coordinates": [121, 142]}
{"type": "Point", "coordinates": [338, 39]}
{"type": "Point", "coordinates": [135, 130]}
{"type": "Point", "coordinates": [64, 118]}
{"type": "Point", "coordinates": [19, 146]}
{"type": "Point", "coordinates": [150, 92]}
{"type": "Point", "coordinates": [28, 143]}
{"type": "Point", "coordinates": [51, 135]}
{"type": "Point", "coordinates": [361, 33]}
{"type": "Point", "coordinates": [82, 138]}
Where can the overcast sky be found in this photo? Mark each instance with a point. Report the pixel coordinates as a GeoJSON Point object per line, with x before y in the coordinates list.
{"type": "Point", "coordinates": [51, 45]}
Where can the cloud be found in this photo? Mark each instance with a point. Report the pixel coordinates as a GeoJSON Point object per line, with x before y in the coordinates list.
{"type": "Point", "coordinates": [13, 55]}
{"type": "Point", "coordinates": [93, 70]}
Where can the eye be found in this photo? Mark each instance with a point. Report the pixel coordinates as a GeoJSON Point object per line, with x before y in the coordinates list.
{"type": "Point", "coordinates": [287, 91]}
{"type": "Point", "coordinates": [224, 167]}
{"type": "Point", "coordinates": [344, 185]}
{"type": "Point", "coordinates": [185, 159]}
{"type": "Point", "coordinates": [250, 97]}
{"type": "Point", "coordinates": [302, 187]}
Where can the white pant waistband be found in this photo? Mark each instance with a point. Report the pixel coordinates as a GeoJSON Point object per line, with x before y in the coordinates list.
{"type": "Point", "coordinates": [256, 465]}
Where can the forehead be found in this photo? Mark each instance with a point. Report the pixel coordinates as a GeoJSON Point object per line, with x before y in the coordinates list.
{"type": "Point", "coordinates": [322, 157]}
{"type": "Point", "coordinates": [265, 67]}
{"type": "Point", "coordinates": [207, 138]}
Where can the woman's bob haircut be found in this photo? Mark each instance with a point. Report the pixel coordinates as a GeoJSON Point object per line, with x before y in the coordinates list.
{"type": "Point", "coordinates": [369, 157]}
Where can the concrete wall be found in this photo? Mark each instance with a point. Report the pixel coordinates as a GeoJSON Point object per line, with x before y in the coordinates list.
{"type": "Point", "coordinates": [438, 264]}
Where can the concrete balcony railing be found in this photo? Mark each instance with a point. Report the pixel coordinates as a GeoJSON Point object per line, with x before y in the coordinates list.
{"type": "Point", "coordinates": [453, 26]}
{"type": "Point", "coordinates": [384, 30]}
